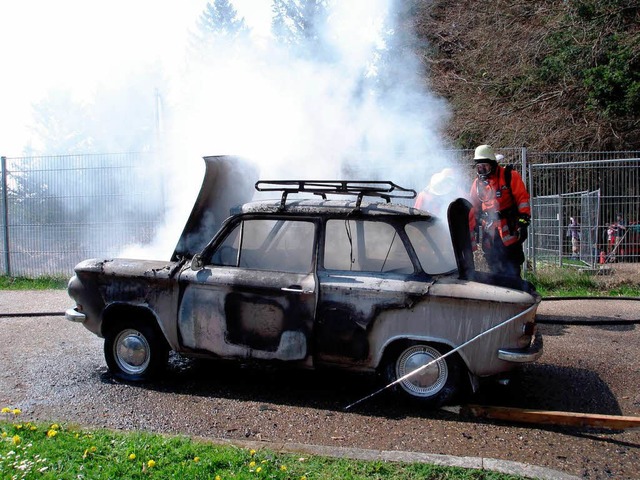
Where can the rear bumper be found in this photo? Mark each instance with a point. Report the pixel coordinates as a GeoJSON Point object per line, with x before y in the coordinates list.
{"type": "Point", "coordinates": [523, 355]}
{"type": "Point", "coordinates": [74, 315]}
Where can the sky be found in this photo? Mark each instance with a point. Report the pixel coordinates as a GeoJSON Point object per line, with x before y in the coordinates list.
{"type": "Point", "coordinates": [75, 44]}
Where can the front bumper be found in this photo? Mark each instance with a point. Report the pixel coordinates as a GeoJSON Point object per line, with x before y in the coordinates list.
{"type": "Point", "coordinates": [523, 355]}
{"type": "Point", "coordinates": [74, 315]}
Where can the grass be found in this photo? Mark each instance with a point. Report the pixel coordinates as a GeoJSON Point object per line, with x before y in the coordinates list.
{"type": "Point", "coordinates": [30, 450]}
{"type": "Point", "coordinates": [40, 283]}
{"type": "Point", "coordinates": [571, 282]}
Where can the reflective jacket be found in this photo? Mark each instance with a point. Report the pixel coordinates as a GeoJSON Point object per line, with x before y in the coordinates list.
{"type": "Point", "coordinates": [498, 206]}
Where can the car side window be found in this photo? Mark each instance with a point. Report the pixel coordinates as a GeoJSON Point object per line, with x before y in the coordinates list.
{"type": "Point", "coordinates": [365, 246]}
{"type": "Point", "coordinates": [268, 244]}
{"type": "Point", "coordinates": [432, 243]}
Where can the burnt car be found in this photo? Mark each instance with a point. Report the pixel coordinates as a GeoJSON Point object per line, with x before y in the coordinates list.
{"type": "Point", "coordinates": [338, 277]}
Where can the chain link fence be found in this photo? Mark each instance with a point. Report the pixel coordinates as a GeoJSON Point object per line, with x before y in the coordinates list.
{"type": "Point", "coordinates": [601, 192]}
{"type": "Point", "coordinates": [58, 210]}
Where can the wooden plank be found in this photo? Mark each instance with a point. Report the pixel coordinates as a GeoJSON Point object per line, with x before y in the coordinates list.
{"type": "Point", "coordinates": [548, 417]}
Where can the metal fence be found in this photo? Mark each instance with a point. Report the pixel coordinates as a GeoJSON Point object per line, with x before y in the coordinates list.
{"type": "Point", "coordinates": [58, 210]}
{"type": "Point", "coordinates": [601, 192]}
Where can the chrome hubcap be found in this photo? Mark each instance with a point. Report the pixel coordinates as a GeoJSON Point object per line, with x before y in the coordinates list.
{"type": "Point", "coordinates": [426, 382]}
{"type": "Point", "coordinates": [131, 351]}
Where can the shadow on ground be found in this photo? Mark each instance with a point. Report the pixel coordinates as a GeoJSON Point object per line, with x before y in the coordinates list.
{"type": "Point", "coordinates": [536, 386]}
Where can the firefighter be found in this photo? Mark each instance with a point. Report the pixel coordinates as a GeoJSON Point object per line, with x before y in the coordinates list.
{"type": "Point", "coordinates": [500, 213]}
{"type": "Point", "coordinates": [442, 189]}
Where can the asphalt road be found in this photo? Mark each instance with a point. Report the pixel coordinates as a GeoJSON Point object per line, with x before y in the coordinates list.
{"type": "Point", "coordinates": [54, 370]}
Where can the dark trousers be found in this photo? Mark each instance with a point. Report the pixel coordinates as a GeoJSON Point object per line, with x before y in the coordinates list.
{"type": "Point", "coordinates": [503, 260]}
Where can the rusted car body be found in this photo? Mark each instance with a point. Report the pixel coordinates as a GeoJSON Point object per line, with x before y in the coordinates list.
{"type": "Point", "coordinates": [313, 283]}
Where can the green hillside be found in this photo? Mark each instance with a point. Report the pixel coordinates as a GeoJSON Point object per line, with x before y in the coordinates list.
{"type": "Point", "coordinates": [548, 75]}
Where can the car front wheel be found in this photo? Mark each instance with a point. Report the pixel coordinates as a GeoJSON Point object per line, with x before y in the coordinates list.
{"type": "Point", "coordinates": [433, 386]}
{"type": "Point", "coordinates": [134, 352]}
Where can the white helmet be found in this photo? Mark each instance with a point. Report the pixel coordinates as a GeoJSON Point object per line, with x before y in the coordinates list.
{"type": "Point", "coordinates": [484, 152]}
{"type": "Point", "coordinates": [485, 155]}
{"type": "Point", "coordinates": [443, 182]}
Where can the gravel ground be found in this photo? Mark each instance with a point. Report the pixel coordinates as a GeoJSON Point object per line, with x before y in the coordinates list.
{"type": "Point", "coordinates": [54, 371]}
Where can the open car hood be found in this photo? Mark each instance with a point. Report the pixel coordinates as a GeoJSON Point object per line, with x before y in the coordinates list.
{"type": "Point", "coordinates": [458, 218]}
{"type": "Point", "coordinates": [228, 182]}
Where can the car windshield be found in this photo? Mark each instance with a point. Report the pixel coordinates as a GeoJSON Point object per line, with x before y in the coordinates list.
{"type": "Point", "coordinates": [432, 243]}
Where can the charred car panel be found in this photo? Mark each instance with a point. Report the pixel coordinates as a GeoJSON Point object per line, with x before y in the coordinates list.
{"type": "Point", "coordinates": [314, 283]}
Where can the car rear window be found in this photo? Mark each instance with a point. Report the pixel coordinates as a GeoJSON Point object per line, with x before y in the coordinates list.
{"type": "Point", "coordinates": [365, 246]}
{"type": "Point", "coordinates": [432, 243]}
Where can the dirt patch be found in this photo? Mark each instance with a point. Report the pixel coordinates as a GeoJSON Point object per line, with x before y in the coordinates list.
{"type": "Point", "coordinates": [617, 275]}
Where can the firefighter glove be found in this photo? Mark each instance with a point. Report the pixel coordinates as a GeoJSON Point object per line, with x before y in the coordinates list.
{"type": "Point", "coordinates": [522, 233]}
{"type": "Point", "coordinates": [524, 220]}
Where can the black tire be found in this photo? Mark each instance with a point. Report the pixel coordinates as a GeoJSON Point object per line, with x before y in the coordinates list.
{"type": "Point", "coordinates": [135, 351]}
{"type": "Point", "coordinates": [437, 385]}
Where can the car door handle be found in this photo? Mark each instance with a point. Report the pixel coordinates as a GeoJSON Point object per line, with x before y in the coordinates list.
{"type": "Point", "coordinates": [295, 289]}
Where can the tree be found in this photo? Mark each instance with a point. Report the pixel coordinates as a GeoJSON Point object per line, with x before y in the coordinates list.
{"type": "Point", "coordinates": [300, 24]}
{"type": "Point", "coordinates": [218, 23]}
{"type": "Point", "coordinates": [115, 119]}
{"type": "Point", "coordinates": [61, 125]}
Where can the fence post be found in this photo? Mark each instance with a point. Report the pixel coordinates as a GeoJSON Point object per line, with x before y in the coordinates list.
{"type": "Point", "coordinates": [523, 173]}
{"type": "Point", "coordinates": [532, 234]}
{"type": "Point", "coordinates": [560, 215]}
{"type": "Point", "coordinates": [5, 216]}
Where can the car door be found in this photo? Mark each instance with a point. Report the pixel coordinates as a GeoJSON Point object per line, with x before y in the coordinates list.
{"type": "Point", "coordinates": [256, 295]}
{"type": "Point", "coordinates": [366, 270]}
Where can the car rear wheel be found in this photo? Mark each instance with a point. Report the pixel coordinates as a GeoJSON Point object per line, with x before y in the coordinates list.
{"type": "Point", "coordinates": [433, 386]}
{"type": "Point", "coordinates": [134, 351]}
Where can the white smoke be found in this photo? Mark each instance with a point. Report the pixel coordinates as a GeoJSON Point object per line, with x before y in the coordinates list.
{"type": "Point", "coordinates": [295, 116]}
{"type": "Point", "coordinates": [303, 117]}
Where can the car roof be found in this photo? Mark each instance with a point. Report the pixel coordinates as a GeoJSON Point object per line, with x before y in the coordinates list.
{"type": "Point", "coordinates": [341, 207]}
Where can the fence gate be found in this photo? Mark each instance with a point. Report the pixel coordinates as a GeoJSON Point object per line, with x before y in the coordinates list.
{"type": "Point", "coordinates": [552, 235]}
{"type": "Point", "coordinates": [602, 195]}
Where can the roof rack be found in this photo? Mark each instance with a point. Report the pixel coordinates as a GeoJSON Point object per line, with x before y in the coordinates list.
{"type": "Point", "coordinates": [365, 188]}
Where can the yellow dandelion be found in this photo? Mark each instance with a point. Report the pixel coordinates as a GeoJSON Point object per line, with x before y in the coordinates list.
{"type": "Point", "coordinates": [258, 470]}
{"type": "Point", "coordinates": [3, 435]}
{"type": "Point", "coordinates": [303, 477]}
{"type": "Point", "coordinates": [218, 477]}
{"type": "Point", "coordinates": [6, 410]}
{"type": "Point", "coordinates": [283, 468]}
{"type": "Point", "coordinates": [93, 449]}
{"type": "Point", "coordinates": [52, 433]}
{"type": "Point", "coordinates": [18, 426]}
{"type": "Point", "coordinates": [132, 456]}
{"type": "Point", "coordinates": [16, 440]}
{"type": "Point", "coordinates": [16, 411]}
{"type": "Point", "coordinates": [151, 463]}
{"type": "Point", "coordinates": [55, 426]}
{"type": "Point", "coordinates": [252, 464]}
{"type": "Point", "coordinates": [32, 427]}
{"type": "Point", "coordinates": [196, 459]}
